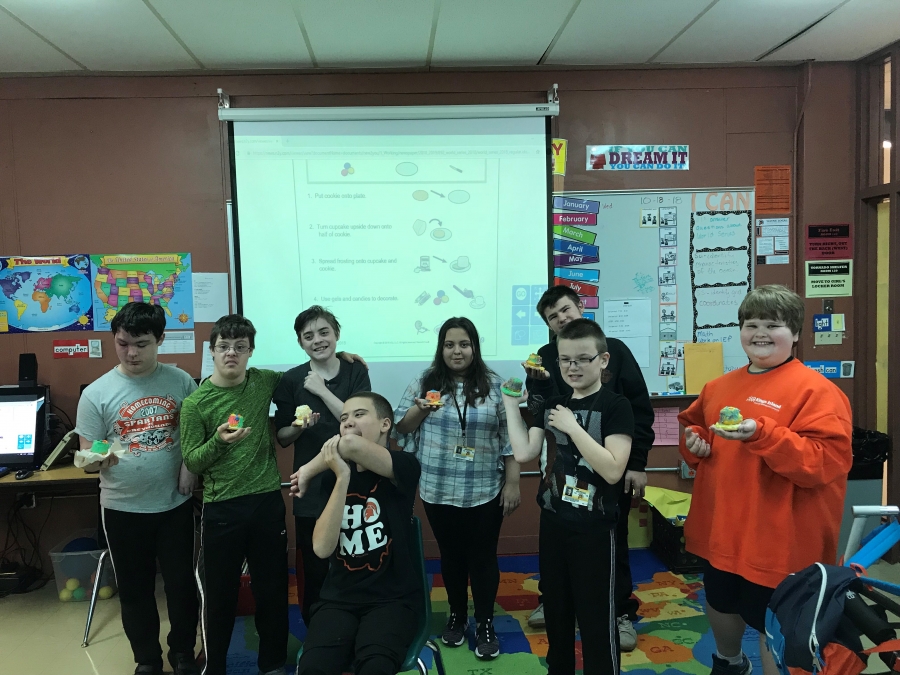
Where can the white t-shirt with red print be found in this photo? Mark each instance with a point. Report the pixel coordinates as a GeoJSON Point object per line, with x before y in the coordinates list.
{"type": "Point", "coordinates": [143, 414]}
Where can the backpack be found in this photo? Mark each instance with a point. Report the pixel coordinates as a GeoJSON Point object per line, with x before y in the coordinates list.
{"type": "Point", "coordinates": [807, 628]}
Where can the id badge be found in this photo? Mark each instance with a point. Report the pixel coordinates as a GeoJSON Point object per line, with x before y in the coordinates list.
{"type": "Point", "coordinates": [575, 495]}
{"type": "Point", "coordinates": [464, 452]}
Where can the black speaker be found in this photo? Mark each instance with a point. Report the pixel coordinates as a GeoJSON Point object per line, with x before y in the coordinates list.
{"type": "Point", "coordinates": [28, 370]}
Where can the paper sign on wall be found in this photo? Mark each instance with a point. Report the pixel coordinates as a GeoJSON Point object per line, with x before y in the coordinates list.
{"type": "Point", "coordinates": [773, 188]}
{"type": "Point", "coordinates": [829, 279]}
{"type": "Point", "coordinates": [829, 242]}
{"type": "Point", "coordinates": [559, 148]}
{"type": "Point", "coordinates": [833, 370]}
{"type": "Point", "coordinates": [703, 362]}
{"type": "Point", "coordinates": [71, 349]}
{"type": "Point", "coordinates": [638, 158]}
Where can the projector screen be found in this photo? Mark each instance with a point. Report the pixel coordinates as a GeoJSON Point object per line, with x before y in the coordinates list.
{"type": "Point", "coordinates": [394, 226]}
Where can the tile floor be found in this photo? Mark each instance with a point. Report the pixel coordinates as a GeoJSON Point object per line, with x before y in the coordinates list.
{"type": "Point", "coordinates": [39, 635]}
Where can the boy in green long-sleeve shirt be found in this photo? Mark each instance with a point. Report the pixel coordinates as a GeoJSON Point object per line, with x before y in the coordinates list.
{"type": "Point", "coordinates": [243, 510]}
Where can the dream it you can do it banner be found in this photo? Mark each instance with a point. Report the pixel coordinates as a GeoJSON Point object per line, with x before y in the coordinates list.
{"type": "Point", "coordinates": [638, 157]}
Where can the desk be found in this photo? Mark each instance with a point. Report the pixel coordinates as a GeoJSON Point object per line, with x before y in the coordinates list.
{"type": "Point", "coordinates": [56, 481]}
{"type": "Point", "coordinates": [68, 478]}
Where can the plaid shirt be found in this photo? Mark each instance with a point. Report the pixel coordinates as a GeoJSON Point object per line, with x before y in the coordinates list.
{"type": "Point", "coordinates": [446, 479]}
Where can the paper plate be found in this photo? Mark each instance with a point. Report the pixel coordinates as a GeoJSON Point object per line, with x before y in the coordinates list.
{"type": "Point", "coordinates": [441, 234]}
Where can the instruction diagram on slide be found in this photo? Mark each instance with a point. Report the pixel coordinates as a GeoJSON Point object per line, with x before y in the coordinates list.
{"type": "Point", "coordinates": [403, 245]}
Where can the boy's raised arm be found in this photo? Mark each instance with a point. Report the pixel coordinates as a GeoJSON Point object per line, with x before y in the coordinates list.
{"type": "Point", "coordinates": [328, 527]}
{"type": "Point", "coordinates": [301, 477]}
{"type": "Point", "coordinates": [526, 443]}
{"type": "Point", "coordinates": [198, 452]}
{"type": "Point", "coordinates": [368, 455]}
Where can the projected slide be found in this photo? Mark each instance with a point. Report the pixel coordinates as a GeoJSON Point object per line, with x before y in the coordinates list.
{"type": "Point", "coordinates": [394, 226]}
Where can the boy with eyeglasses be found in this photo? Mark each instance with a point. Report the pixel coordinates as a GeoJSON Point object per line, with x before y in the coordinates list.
{"type": "Point", "coordinates": [588, 442]}
{"type": "Point", "coordinates": [243, 510]}
{"type": "Point", "coordinates": [558, 306]}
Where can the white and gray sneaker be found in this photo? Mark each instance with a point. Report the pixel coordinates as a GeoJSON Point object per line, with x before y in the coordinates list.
{"type": "Point", "coordinates": [536, 618]}
{"type": "Point", "coordinates": [487, 644]}
{"type": "Point", "coordinates": [627, 634]}
{"type": "Point", "coordinates": [455, 632]}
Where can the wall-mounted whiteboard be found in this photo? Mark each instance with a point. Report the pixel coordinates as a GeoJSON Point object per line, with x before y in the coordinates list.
{"type": "Point", "coordinates": [659, 268]}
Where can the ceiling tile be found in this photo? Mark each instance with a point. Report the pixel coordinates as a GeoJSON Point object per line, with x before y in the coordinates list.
{"type": "Point", "coordinates": [365, 33]}
{"type": "Point", "coordinates": [237, 33]}
{"type": "Point", "coordinates": [21, 51]}
{"type": "Point", "coordinates": [611, 31]}
{"type": "Point", "coordinates": [742, 30]}
{"type": "Point", "coordinates": [491, 32]}
{"type": "Point", "coordinates": [858, 28]}
{"type": "Point", "coordinates": [111, 35]}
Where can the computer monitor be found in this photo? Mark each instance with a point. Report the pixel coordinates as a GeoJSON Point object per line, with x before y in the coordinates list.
{"type": "Point", "coordinates": [23, 419]}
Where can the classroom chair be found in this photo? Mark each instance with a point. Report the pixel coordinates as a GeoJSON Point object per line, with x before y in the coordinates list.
{"type": "Point", "coordinates": [413, 660]}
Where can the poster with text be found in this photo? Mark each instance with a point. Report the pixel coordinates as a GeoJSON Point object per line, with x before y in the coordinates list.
{"type": "Point", "coordinates": [638, 158]}
{"type": "Point", "coordinates": [45, 294]}
{"type": "Point", "coordinates": [162, 279]}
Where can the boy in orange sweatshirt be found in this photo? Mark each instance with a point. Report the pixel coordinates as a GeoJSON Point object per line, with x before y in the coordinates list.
{"type": "Point", "coordinates": [769, 495]}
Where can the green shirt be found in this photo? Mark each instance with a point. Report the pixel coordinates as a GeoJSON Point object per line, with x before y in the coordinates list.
{"type": "Point", "coordinates": [232, 470]}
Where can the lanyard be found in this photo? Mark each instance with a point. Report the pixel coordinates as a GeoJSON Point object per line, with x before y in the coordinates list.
{"type": "Point", "coordinates": [462, 415]}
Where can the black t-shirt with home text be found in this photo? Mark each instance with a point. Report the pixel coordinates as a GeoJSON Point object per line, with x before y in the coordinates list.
{"type": "Point", "coordinates": [373, 562]}
{"type": "Point", "coordinates": [352, 378]}
{"type": "Point", "coordinates": [569, 487]}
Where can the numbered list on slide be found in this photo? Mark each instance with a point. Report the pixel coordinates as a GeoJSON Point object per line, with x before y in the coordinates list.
{"type": "Point", "coordinates": [400, 246]}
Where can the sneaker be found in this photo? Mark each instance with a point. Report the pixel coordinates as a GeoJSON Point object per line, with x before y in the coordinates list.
{"type": "Point", "coordinates": [627, 634]}
{"type": "Point", "coordinates": [183, 664]}
{"type": "Point", "coordinates": [721, 667]}
{"type": "Point", "coordinates": [455, 632]}
{"type": "Point", "coordinates": [536, 618]}
{"type": "Point", "coordinates": [148, 670]}
{"type": "Point", "coordinates": [487, 645]}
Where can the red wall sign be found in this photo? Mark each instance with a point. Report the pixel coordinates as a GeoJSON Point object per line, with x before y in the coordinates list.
{"type": "Point", "coordinates": [70, 349]}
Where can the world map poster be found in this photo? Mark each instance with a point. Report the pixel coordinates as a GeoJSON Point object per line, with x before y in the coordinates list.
{"type": "Point", "coordinates": [162, 279]}
{"type": "Point", "coordinates": [45, 293]}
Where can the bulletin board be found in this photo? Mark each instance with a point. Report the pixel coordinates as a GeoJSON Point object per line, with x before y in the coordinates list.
{"type": "Point", "coordinates": [659, 268]}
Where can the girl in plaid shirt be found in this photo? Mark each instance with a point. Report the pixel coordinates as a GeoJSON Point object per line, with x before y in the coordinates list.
{"type": "Point", "coordinates": [469, 480]}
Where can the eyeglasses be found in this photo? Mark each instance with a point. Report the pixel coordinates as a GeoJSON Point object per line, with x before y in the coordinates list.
{"type": "Point", "coordinates": [238, 349]}
{"type": "Point", "coordinates": [581, 363]}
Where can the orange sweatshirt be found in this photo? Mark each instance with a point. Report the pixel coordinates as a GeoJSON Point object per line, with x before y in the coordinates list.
{"type": "Point", "coordinates": [771, 505]}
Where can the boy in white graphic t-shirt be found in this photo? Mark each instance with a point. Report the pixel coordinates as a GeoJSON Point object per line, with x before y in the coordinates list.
{"type": "Point", "coordinates": [145, 497]}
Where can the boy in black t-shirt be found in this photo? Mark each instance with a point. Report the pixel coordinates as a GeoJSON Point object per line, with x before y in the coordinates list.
{"type": "Point", "coordinates": [368, 613]}
{"type": "Point", "coordinates": [323, 383]}
{"type": "Point", "coordinates": [588, 434]}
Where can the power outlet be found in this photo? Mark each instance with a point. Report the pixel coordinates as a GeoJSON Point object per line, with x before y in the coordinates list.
{"type": "Point", "coordinates": [829, 338]}
{"type": "Point", "coordinates": [27, 500]}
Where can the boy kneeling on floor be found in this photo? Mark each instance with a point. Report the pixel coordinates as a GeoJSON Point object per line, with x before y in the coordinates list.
{"type": "Point", "coordinates": [367, 614]}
